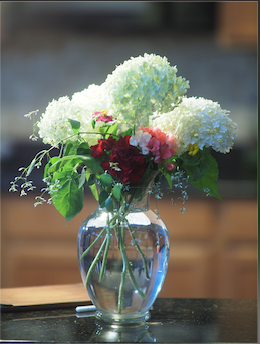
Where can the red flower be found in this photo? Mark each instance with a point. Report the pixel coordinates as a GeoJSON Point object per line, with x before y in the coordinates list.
{"type": "Point", "coordinates": [102, 147]}
{"type": "Point", "coordinates": [125, 161]}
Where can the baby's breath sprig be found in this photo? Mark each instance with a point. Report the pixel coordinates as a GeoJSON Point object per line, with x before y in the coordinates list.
{"type": "Point", "coordinates": [32, 115]}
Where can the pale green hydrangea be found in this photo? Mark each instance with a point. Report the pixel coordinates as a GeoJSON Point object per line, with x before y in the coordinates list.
{"type": "Point", "coordinates": [54, 126]}
{"type": "Point", "coordinates": [144, 85]}
{"type": "Point", "coordinates": [201, 121]}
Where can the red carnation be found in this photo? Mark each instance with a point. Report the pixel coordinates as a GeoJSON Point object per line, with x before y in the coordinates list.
{"type": "Point", "coordinates": [102, 147]}
{"type": "Point", "coordinates": [125, 161]}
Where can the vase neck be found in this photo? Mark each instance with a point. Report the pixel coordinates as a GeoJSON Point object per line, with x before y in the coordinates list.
{"type": "Point", "coordinates": [137, 198]}
{"type": "Point", "coordinates": [141, 203]}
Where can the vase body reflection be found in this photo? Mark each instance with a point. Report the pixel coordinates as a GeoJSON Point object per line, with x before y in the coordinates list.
{"type": "Point", "coordinates": [125, 298]}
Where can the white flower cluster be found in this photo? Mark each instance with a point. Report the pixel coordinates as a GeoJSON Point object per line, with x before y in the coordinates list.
{"type": "Point", "coordinates": [144, 85]}
{"type": "Point", "coordinates": [54, 126]}
{"type": "Point", "coordinates": [142, 91]}
{"type": "Point", "coordinates": [201, 121]}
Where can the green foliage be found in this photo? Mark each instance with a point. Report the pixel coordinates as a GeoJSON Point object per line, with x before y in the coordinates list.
{"type": "Point", "coordinates": [107, 130]}
{"type": "Point", "coordinates": [127, 132]}
{"type": "Point", "coordinates": [82, 178]}
{"type": "Point", "coordinates": [91, 178]}
{"type": "Point", "coordinates": [83, 149]}
{"type": "Point", "coordinates": [75, 125]}
{"type": "Point", "coordinates": [69, 197]}
{"type": "Point", "coordinates": [102, 198]}
{"type": "Point", "coordinates": [202, 170]}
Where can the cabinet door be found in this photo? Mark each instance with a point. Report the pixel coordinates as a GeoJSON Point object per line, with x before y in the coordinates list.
{"type": "Point", "coordinates": [237, 247]}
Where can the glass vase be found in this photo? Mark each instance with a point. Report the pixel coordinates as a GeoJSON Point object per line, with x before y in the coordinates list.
{"type": "Point", "coordinates": [123, 260]}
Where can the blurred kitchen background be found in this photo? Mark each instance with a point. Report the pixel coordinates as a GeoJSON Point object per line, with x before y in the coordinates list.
{"type": "Point", "coordinates": [52, 49]}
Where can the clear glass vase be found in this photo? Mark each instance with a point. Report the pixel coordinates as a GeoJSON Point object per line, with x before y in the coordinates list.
{"type": "Point", "coordinates": [126, 261]}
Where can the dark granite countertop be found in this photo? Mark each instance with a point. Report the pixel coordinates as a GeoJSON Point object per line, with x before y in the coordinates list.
{"type": "Point", "coordinates": [172, 321]}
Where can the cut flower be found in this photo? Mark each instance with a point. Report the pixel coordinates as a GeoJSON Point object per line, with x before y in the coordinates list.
{"type": "Point", "coordinates": [200, 121]}
{"type": "Point", "coordinates": [138, 122]}
{"type": "Point", "coordinates": [116, 138]}
{"type": "Point", "coordinates": [143, 85]}
{"type": "Point", "coordinates": [125, 162]}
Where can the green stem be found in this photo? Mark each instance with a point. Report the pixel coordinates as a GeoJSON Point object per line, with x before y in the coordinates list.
{"type": "Point", "coordinates": [122, 282]}
{"type": "Point", "coordinates": [139, 290]}
{"type": "Point", "coordinates": [139, 249]}
{"type": "Point", "coordinates": [108, 237]}
{"type": "Point", "coordinates": [92, 244]}
{"type": "Point", "coordinates": [95, 261]}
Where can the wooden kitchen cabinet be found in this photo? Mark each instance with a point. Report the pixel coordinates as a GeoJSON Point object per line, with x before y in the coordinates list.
{"type": "Point", "coordinates": [237, 23]}
{"type": "Point", "coordinates": [213, 250]}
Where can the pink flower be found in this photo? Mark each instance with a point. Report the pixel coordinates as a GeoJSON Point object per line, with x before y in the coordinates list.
{"type": "Point", "coordinates": [153, 145]}
{"type": "Point", "coordinates": [102, 116]}
{"type": "Point", "coordinates": [162, 145]}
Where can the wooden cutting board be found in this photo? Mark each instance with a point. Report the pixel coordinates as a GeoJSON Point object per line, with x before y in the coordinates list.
{"type": "Point", "coordinates": [45, 295]}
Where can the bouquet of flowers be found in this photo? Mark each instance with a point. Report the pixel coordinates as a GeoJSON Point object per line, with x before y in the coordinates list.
{"type": "Point", "coordinates": [117, 137]}
{"type": "Point", "coordinates": [118, 134]}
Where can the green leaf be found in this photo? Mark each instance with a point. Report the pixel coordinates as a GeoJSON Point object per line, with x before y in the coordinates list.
{"type": "Point", "coordinates": [203, 167]}
{"type": "Point", "coordinates": [209, 179]}
{"type": "Point", "coordinates": [102, 198]}
{"type": "Point", "coordinates": [75, 125]}
{"type": "Point", "coordinates": [70, 148]}
{"type": "Point", "coordinates": [83, 149]}
{"type": "Point", "coordinates": [112, 129]}
{"type": "Point", "coordinates": [92, 187]}
{"type": "Point", "coordinates": [191, 160]}
{"type": "Point", "coordinates": [68, 199]}
{"type": "Point", "coordinates": [108, 129]}
{"type": "Point", "coordinates": [207, 184]}
{"type": "Point", "coordinates": [91, 179]}
{"type": "Point", "coordinates": [82, 178]}
{"type": "Point", "coordinates": [169, 180]}
{"type": "Point", "coordinates": [51, 162]}
{"type": "Point", "coordinates": [67, 162]}
{"type": "Point", "coordinates": [205, 153]}
{"type": "Point", "coordinates": [92, 163]}
{"type": "Point", "coordinates": [127, 132]}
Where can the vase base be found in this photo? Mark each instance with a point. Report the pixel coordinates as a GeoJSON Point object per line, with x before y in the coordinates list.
{"type": "Point", "coordinates": [122, 319]}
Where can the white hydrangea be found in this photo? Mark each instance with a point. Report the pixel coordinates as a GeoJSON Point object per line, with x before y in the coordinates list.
{"type": "Point", "coordinates": [144, 85]}
{"type": "Point", "coordinates": [54, 126]}
{"type": "Point", "coordinates": [201, 121]}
